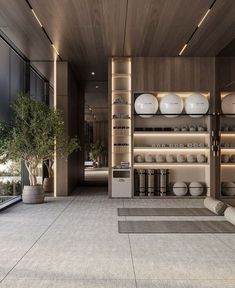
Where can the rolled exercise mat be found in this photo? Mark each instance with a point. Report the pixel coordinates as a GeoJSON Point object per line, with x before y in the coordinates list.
{"type": "Point", "coordinates": [216, 206]}
{"type": "Point", "coordinates": [229, 214]}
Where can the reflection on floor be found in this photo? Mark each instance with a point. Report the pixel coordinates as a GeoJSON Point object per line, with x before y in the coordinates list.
{"type": "Point", "coordinates": [74, 242]}
{"type": "Point", "coordinates": [94, 175]}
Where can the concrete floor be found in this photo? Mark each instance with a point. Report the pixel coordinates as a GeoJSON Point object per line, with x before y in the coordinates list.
{"type": "Point", "coordinates": [74, 242]}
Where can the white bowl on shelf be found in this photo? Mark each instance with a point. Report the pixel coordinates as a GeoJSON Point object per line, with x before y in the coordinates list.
{"type": "Point", "coordinates": [171, 104]}
{"type": "Point", "coordinates": [170, 158]}
{"type": "Point", "coordinates": [201, 158]}
{"type": "Point", "coordinates": [228, 188]}
{"type": "Point", "coordinates": [180, 188]}
{"type": "Point", "coordinates": [146, 104]}
{"type": "Point", "coordinates": [228, 105]}
{"type": "Point", "coordinates": [139, 158]}
{"type": "Point", "coordinates": [160, 158]}
{"type": "Point", "coordinates": [149, 158]}
{"type": "Point", "coordinates": [191, 158]}
{"type": "Point", "coordinates": [181, 158]}
{"type": "Point", "coordinates": [196, 188]}
{"type": "Point", "coordinates": [225, 158]}
{"type": "Point", "coordinates": [196, 105]}
{"type": "Point", "coordinates": [232, 158]}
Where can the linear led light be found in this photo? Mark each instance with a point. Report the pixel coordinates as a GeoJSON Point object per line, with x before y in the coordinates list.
{"type": "Point", "coordinates": [182, 50]}
{"type": "Point", "coordinates": [55, 49]}
{"type": "Point", "coordinates": [203, 18]}
{"type": "Point", "coordinates": [34, 14]}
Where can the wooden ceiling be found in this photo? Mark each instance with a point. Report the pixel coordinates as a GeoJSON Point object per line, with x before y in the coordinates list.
{"type": "Point", "coordinates": [87, 32]}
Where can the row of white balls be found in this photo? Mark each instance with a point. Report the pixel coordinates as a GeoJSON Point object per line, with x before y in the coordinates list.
{"type": "Point", "coordinates": [171, 104]}
{"type": "Point", "coordinates": [194, 188]}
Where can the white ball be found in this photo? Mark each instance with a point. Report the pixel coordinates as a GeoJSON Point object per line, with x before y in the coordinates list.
{"type": "Point", "coordinates": [228, 188]}
{"type": "Point", "coordinates": [171, 104]}
{"type": "Point", "coordinates": [228, 105]}
{"type": "Point", "coordinates": [195, 188]}
{"type": "Point", "coordinates": [180, 188]}
{"type": "Point", "coordinates": [146, 104]}
{"type": "Point", "coordinates": [196, 104]}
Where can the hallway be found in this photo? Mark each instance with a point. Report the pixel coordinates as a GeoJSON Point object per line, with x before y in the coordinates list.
{"type": "Point", "coordinates": [74, 242]}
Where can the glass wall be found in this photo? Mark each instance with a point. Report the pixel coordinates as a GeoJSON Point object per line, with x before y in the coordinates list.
{"type": "Point", "coordinates": [13, 73]}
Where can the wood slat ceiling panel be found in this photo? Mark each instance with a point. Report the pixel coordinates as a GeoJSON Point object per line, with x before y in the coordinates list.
{"type": "Point", "coordinates": [216, 32]}
{"type": "Point", "coordinates": [161, 28]}
{"type": "Point", "coordinates": [85, 31]}
{"type": "Point", "coordinates": [19, 25]}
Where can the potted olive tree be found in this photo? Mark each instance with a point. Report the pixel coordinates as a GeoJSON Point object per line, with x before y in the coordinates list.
{"type": "Point", "coordinates": [96, 151]}
{"type": "Point", "coordinates": [37, 132]}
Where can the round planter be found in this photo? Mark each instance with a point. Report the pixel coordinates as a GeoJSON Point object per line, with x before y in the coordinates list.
{"type": "Point", "coordinates": [33, 194]}
{"type": "Point", "coordinates": [48, 185]}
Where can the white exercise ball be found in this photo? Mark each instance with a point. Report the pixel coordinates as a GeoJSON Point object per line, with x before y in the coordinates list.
{"type": "Point", "coordinates": [146, 104]}
{"type": "Point", "coordinates": [171, 104]}
{"type": "Point", "coordinates": [228, 105]}
{"type": "Point", "coordinates": [196, 104]}
{"type": "Point", "coordinates": [180, 188]}
{"type": "Point", "coordinates": [196, 188]}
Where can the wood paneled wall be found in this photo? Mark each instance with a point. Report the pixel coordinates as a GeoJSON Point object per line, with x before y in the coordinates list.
{"type": "Point", "coordinates": [172, 74]}
{"type": "Point", "coordinates": [70, 99]}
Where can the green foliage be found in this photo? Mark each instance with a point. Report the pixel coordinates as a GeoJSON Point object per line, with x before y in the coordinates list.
{"type": "Point", "coordinates": [96, 150]}
{"type": "Point", "coordinates": [37, 132]}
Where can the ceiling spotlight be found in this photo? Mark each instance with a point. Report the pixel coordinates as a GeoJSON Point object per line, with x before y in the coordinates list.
{"type": "Point", "coordinates": [92, 73]}
{"type": "Point", "coordinates": [96, 86]}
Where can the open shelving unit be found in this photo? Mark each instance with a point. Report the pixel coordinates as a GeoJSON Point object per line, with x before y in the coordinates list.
{"type": "Point", "coordinates": [121, 129]}
{"type": "Point", "coordinates": [160, 135]}
{"type": "Point", "coordinates": [227, 151]}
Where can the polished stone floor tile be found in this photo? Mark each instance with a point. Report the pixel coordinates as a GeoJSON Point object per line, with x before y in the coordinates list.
{"type": "Point", "coordinates": [185, 284]}
{"type": "Point", "coordinates": [36, 283]}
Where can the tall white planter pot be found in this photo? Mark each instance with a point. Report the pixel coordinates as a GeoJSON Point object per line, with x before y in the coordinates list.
{"type": "Point", "coordinates": [33, 194]}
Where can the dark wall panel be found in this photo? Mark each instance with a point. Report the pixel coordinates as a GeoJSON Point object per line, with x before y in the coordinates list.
{"type": "Point", "coordinates": [4, 82]}
{"type": "Point", "coordinates": [17, 76]}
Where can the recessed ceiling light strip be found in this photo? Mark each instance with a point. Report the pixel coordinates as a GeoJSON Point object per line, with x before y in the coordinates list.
{"type": "Point", "coordinates": [43, 29]}
{"type": "Point", "coordinates": [195, 30]}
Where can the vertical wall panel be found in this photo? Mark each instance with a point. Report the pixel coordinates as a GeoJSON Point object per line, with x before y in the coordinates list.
{"type": "Point", "coordinates": [4, 82]}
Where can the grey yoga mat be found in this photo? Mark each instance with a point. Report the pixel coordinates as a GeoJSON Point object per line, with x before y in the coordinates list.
{"type": "Point", "coordinates": [164, 212]}
{"type": "Point", "coordinates": [175, 227]}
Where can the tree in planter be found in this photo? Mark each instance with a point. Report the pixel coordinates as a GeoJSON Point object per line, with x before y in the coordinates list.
{"type": "Point", "coordinates": [96, 150]}
{"type": "Point", "coordinates": [37, 132]}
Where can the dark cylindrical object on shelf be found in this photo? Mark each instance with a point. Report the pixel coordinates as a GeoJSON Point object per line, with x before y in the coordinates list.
{"type": "Point", "coordinates": [136, 182]}
{"type": "Point", "coordinates": [164, 181]}
{"type": "Point", "coordinates": [142, 182]}
{"type": "Point", "coordinates": [150, 182]}
{"type": "Point", "coordinates": [156, 181]}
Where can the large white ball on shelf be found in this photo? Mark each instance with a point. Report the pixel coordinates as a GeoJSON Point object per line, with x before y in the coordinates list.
{"type": "Point", "coordinates": [146, 104]}
{"type": "Point", "coordinates": [196, 188]}
{"type": "Point", "coordinates": [180, 188]}
{"type": "Point", "coordinates": [228, 105]}
{"type": "Point", "coordinates": [171, 104]}
{"type": "Point", "coordinates": [196, 104]}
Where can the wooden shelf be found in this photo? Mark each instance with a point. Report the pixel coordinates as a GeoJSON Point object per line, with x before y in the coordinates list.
{"type": "Point", "coordinates": [171, 148]}
{"type": "Point", "coordinates": [121, 75]}
{"type": "Point", "coordinates": [182, 133]}
{"type": "Point", "coordinates": [121, 104]}
{"type": "Point", "coordinates": [170, 197]}
{"type": "Point", "coordinates": [195, 164]}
